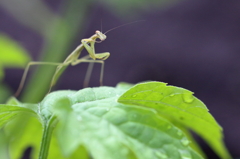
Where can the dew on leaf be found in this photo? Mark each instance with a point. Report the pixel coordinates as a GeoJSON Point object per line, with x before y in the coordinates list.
{"type": "Point", "coordinates": [180, 133]}
{"type": "Point", "coordinates": [184, 154]}
{"type": "Point", "coordinates": [185, 141]}
{"type": "Point", "coordinates": [188, 97]}
{"type": "Point", "coordinates": [169, 127]}
{"type": "Point", "coordinates": [134, 96]}
{"type": "Point", "coordinates": [110, 93]}
{"type": "Point", "coordinates": [171, 95]}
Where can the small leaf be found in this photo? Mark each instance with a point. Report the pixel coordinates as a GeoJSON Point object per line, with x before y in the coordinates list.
{"type": "Point", "coordinates": [7, 112]}
{"type": "Point", "coordinates": [178, 105]}
{"type": "Point", "coordinates": [15, 117]}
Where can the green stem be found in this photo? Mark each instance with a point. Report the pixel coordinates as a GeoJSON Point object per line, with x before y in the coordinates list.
{"type": "Point", "coordinates": [46, 138]}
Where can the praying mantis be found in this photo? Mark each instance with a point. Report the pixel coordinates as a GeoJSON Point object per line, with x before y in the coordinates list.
{"type": "Point", "coordinates": [73, 59]}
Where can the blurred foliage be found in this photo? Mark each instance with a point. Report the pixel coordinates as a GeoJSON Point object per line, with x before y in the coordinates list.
{"type": "Point", "coordinates": [12, 55]}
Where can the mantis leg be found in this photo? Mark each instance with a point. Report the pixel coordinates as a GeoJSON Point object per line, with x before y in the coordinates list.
{"type": "Point", "coordinates": [26, 71]}
{"type": "Point", "coordinates": [91, 50]}
{"type": "Point", "coordinates": [90, 67]}
{"type": "Point", "coordinates": [88, 75]}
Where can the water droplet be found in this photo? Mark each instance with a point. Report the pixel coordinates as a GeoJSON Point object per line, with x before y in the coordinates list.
{"type": "Point", "coordinates": [171, 95]}
{"type": "Point", "coordinates": [161, 154]}
{"type": "Point", "coordinates": [110, 93]}
{"type": "Point", "coordinates": [185, 154]}
{"type": "Point", "coordinates": [134, 95]}
{"type": "Point", "coordinates": [185, 141]}
{"type": "Point", "coordinates": [188, 97]}
{"type": "Point", "coordinates": [180, 133]}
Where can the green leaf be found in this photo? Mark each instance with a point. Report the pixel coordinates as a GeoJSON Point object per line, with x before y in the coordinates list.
{"type": "Point", "coordinates": [11, 53]}
{"type": "Point", "coordinates": [3, 145]}
{"type": "Point", "coordinates": [15, 117]}
{"type": "Point", "coordinates": [8, 112]}
{"type": "Point", "coordinates": [93, 118]}
{"type": "Point", "coordinates": [24, 131]}
{"type": "Point", "coordinates": [180, 106]}
{"type": "Point", "coordinates": [194, 145]}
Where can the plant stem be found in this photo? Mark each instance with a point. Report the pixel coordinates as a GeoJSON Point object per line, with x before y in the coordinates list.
{"type": "Point", "coordinates": [46, 138]}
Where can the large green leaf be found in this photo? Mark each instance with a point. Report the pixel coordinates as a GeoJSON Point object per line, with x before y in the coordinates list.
{"type": "Point", "coordinates": [92, 121]}
{"type": "Point", "coordinates": [92, 117]}
{"type": "Point", "coordinates": [180, 106]}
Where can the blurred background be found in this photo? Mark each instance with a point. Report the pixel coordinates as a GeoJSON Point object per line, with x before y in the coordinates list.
{"type": "Point", "coordinates": [194, 44]}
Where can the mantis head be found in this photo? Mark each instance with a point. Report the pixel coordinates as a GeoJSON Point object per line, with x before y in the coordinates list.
{"type": "Point", "coordinates": [100, 35]}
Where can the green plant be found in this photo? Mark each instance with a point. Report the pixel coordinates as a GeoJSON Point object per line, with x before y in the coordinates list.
{"type": "Point", "coordinates": [148, 120]}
